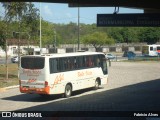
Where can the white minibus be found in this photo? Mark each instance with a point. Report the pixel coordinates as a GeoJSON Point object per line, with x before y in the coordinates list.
{"type": "Point", "coordinates": [151, 50]}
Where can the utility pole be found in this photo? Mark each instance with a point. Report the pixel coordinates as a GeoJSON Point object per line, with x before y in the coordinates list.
{"type": "Point", "coordinates": [40, 42]}
{"type": "Point", "coordinates": [78, 29]}
{"type": "Point", "coordinates": [55, 41]}
{"type": "Point", "coordinates": [19, 49]}
{"type": "Point", "coordinates": [6, 48]}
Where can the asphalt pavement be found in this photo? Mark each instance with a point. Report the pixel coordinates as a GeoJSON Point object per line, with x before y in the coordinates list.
{"type": "Point", "coordinates": [132, 89]}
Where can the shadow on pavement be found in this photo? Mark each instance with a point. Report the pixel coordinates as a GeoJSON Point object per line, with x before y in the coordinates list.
{"type": "Point", "coordinates": [39, 98]}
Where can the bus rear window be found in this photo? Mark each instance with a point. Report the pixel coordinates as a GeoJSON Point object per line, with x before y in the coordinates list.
{"type": "Point", "coordinates": [32, 62]}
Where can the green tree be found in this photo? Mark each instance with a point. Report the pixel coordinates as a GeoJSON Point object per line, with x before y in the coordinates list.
{"type": "Point", "coordinates": [14, 11]}
{"type": "Point", "coordinates": [115, 33]}
{"type": "Point", "coordinates": [2, 35]}
{"type": "Point", "coordinates": [150, 35]}
{"type": "Point", "coordinates": [23, 12]}
{"type": "Point", "coordinates": [31, 21]}
{"type": "Point", "coordinates": [123, 34]}
{"type": "Point", "coordinates": [2, 39]}
{"type": "Point", "coordinates": [97, 39]}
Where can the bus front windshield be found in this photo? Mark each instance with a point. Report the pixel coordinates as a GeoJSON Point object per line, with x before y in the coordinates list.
{"type": "Point", "coordinates": [103, 64]}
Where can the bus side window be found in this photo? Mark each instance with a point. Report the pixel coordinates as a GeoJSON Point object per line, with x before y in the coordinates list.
{"type": "Point", "coordinates": [79, 62]}
{"type": "Point", "coordinates": [65, 63]}
{"type": "Point", "coordinates": [85, 61]}
{"type": "Point", "coordinates": [68, 63]}
{"type": "Point", "coordinates": [89, 61]}
{"type": "Point", "coordinates": [75, 62]}
{"type": "Point", "coordinates": [58, 65]}
{"type": "Point", "coordinates": [71, 64]}
{"type": "Point", "coordinates": [97, 62]}
{"type": "Point", "coordinates": [61, 66]}
{"type": "Point", "coordinates": [53, 65]}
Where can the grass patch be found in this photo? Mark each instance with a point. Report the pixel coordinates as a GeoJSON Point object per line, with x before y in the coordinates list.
{"type": "Point", "coordinates": [146, 58]}
{"type": "Point", "coordinates": [12, 75]}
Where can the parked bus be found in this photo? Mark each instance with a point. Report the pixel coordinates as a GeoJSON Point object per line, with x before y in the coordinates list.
{"type": "Point", "coordinates": [62, 73]}
{"type": "Point", "coordinates": [151, 50]}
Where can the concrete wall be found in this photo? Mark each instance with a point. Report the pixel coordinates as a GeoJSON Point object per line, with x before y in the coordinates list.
{"type": "Point", "coordinates": [13, 50]}
{"type": "Point", "coordinates": [119, 47]}
{"type": "Point", "coordinates": [104, 49]}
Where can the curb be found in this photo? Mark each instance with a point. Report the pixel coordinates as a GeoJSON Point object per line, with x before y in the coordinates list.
{"type": "Point", "coordinates": [10, 87]}
{"type": "Point", "coordinates": [2, 89]}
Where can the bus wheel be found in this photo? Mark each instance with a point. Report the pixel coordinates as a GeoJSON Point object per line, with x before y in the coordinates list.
{"type": "Point", "coordinates": [97, 83]}
{"type": "Point", "coordinates": [68, 91]}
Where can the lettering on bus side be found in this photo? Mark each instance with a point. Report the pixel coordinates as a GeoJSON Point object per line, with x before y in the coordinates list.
{"type": "Point", "coordinates": [58, 79]}
{"type": "Point", "coordinates": [88, 72]}
{"type": "Point", "coordinates": [33, 72]}
{"type": "Point", "coordinates": [31, 80]}
{"type": "Point", "coordinates": [80, 74]}
{"type": "Point", "coordinates": [84, 73]}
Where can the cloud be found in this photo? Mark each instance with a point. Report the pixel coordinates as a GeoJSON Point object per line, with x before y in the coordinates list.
{"type": "Point", "coordinates": [47, 10]}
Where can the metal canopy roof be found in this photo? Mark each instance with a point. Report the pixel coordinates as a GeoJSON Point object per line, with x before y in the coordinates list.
{"type": "Point", "coordinates": [138, 4]}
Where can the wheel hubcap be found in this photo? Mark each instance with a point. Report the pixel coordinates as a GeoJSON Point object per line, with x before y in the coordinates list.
{"type": "Point", "coordinates": [68, 91]}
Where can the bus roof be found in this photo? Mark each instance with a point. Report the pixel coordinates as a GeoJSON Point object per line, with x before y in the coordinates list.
{"type": "Point", "coordinates": [66, 54]}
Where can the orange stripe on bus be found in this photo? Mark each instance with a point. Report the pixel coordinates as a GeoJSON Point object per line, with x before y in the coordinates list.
{"type": "Point", "coordinates": [45, 90]}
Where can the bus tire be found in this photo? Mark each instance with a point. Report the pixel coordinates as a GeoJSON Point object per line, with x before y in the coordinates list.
{"type": "Point", "coordinates": [97, 84]}
{"type": "Point", "coordinates": [68, 91]}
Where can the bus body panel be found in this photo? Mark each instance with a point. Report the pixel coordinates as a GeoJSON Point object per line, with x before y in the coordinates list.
{"type": "Point", "coordinates": [80, 79]}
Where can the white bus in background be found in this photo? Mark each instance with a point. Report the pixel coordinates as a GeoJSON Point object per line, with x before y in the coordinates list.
{"type": "Point", "coordinates": [151, 50]}
{"type": "Point", "coordinates": [62, 73]}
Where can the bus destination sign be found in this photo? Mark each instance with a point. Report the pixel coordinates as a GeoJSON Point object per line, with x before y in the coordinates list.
{"type": "Point", "coordinates": [129, 20]}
